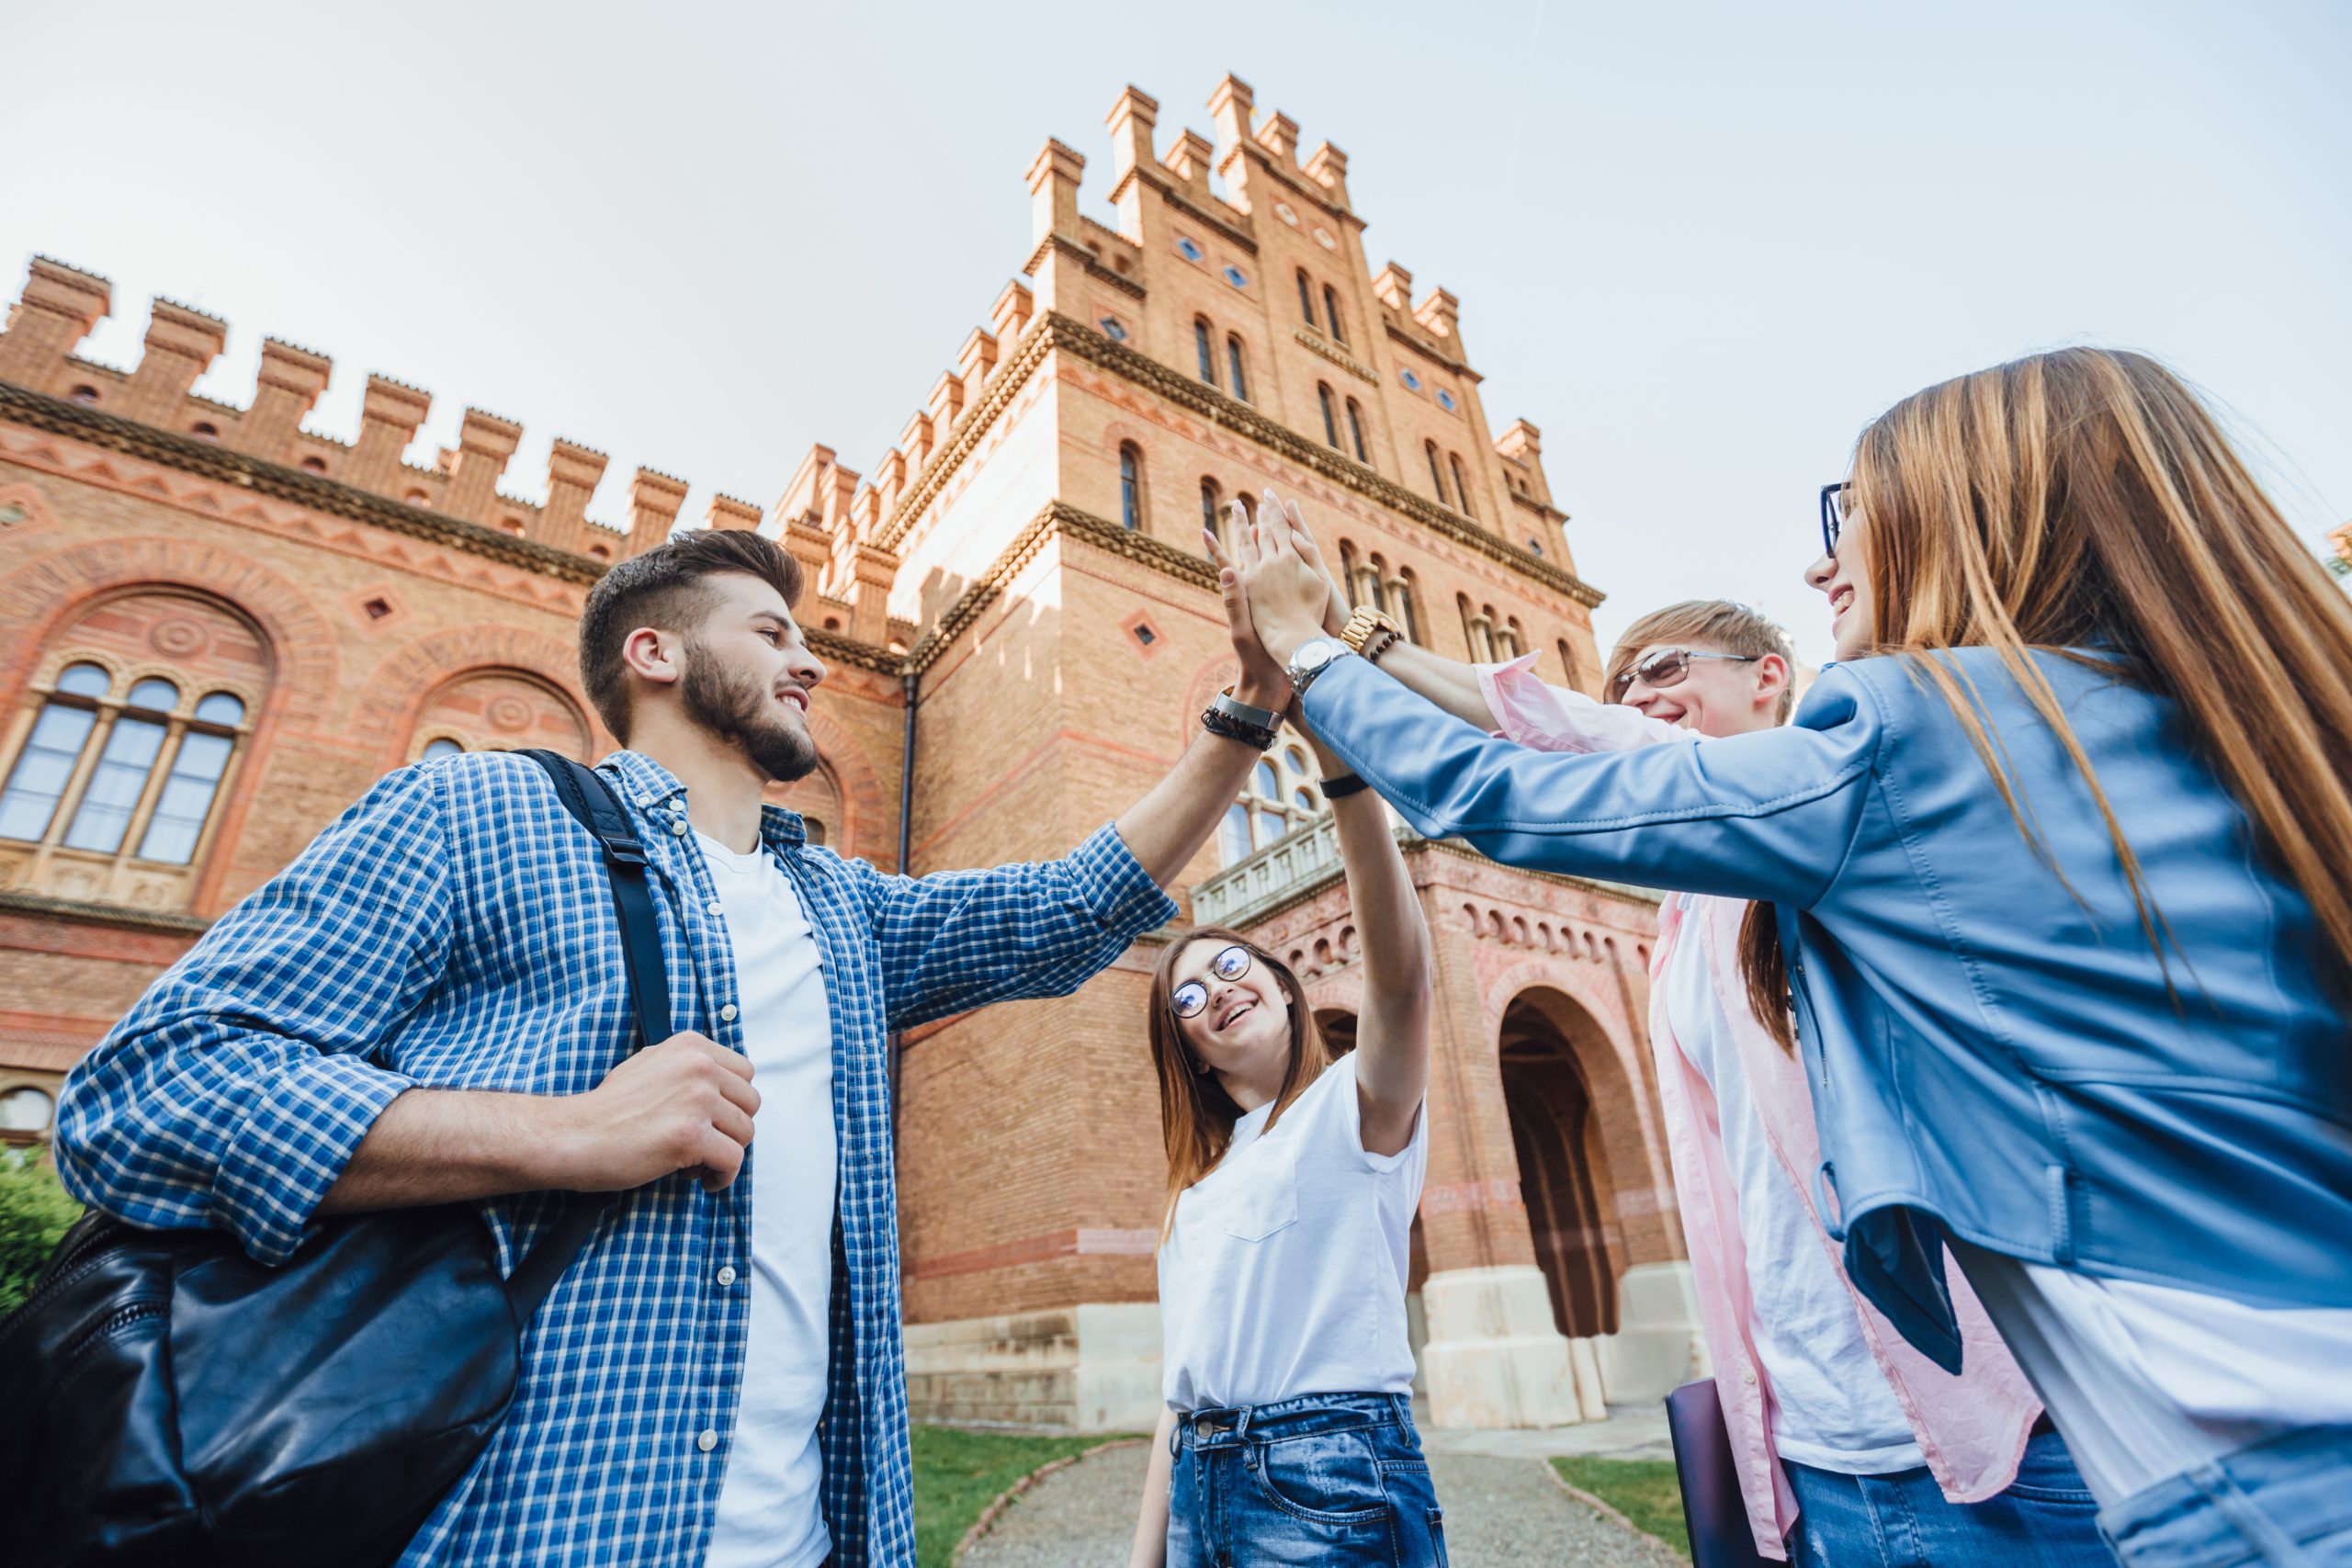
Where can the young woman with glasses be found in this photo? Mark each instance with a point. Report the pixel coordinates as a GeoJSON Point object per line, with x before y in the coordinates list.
{"type": "Point", "coordinates": [1292, 1177]}
{"type": "Point", "coordinates": [2051, 869]}
{"type": "Point", "coordinates": [1836, 1425]}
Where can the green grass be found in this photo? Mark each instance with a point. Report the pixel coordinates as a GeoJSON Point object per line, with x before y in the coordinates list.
{"type": "Point", "coordinates": [1643, 1490]}
{"type": "Point", "coordinates": [959, 1473]}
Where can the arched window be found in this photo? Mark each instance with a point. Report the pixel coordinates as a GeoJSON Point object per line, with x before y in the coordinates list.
{"type": "Point", "coordinates": [1356, 428]}
{"type": "Point", "coordinates": [1249, 508]}
{"type": "Point", "coordinates": [1568, 663]}
{"type": "Point", "coordinates": [1406, 592]}
{"type": "Point", "coordinates": [1513, 641]}
{"type": "Point", "coordinates": [498, 710]}
{"type": "Point", "coordinates": [1477, 631]}
{"type": "Point", "coordinates": [1306, 298]}
{"type": "Point", "coordinates": [1437, 475]}
{"type": "Point", "coordinates": [1130, 487]}
{"type": "Point", "coordinates": [95, 768]}
{"type": "Point", "coordinates": [1331, 415]}
{"type": "Point", "coordinates": [1284, 795]}
{"type": "Point", "coordinates": [1233, 363]}
{"type": "Point", "coordinates": [1460, 486]}
{"type": "Point", "coordinates": [1331, 313]}
{"type": "Point", "coordinates": [1212, 510]}
{"type": "Point", "coordinates": [1201, 344]}
{"type": "Point", "coordinates": [1348, 575]}
{"type": "Point", "coordinates": [1371, 585]}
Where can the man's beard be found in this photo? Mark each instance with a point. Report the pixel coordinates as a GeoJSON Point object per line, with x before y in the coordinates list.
{"type": "Point", "coordinates": [741, 711]}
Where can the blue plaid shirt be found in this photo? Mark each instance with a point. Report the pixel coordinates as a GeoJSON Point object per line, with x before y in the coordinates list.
{"type": "Point", "coordinates": [454, 929]}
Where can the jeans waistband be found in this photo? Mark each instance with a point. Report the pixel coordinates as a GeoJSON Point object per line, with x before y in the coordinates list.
{"type": "Point", "coordinates": [1302, 1416]}
{"type": "Point", "coordinates": [2255, 1504]}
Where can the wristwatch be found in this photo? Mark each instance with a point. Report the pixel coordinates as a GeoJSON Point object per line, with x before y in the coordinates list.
{"type": "Point", "coordinates": [1364, 624]}
{"type": "Point", "coordinates": [1312, 657]}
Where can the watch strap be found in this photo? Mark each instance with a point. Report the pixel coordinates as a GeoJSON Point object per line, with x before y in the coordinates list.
{"type": "Point", "coordinates": [1233, 707]}
{"type": "Point", "coordinates": [1343, 786]}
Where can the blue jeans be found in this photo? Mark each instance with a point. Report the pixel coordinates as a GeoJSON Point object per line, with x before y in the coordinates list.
{"type": "Point", "coordinates": [1324, 1479]}
{"type": "Point", "coordinates": [2286, 1503]}
{"type": "Point", "coordinates": [2047, 1518]}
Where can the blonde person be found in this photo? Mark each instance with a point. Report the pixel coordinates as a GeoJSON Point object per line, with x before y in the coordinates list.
{"type": "Point", "coordinates": [1852, 1448]}
{"type": "Point", "coordinates": [1292, 1182]}
{"type": "Point", "coordinates": [2050, 871]}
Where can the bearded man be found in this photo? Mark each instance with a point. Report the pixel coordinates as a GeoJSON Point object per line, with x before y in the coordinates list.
{"type": "Point", "coordinates": [430, 1006]}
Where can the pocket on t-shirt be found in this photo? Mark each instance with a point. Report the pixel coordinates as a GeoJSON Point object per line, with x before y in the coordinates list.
{"type": "Point", "coordinates": [1265, 1197]}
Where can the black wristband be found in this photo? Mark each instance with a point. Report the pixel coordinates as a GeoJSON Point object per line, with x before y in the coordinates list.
{"type": "Point", "coordinates": [1342, 788]}
{"type": "Point", "coordinates": [1232, 728]}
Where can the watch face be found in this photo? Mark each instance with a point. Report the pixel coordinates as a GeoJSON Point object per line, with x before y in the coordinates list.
{"type": "Point", "coordinates": [1315, 654]}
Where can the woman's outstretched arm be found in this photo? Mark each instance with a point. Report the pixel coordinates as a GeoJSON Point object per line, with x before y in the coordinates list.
{"type": "Point", "coordinates": [1393, 1029]}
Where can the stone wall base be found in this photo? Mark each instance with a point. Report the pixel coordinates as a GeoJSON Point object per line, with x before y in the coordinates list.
{"type": "Point", "coordinates": [1658, 1345]}
{"type": "Point", "coordinates": [1495, 1357]}
{"type": "Point", "coordinates": [1094, 1366]}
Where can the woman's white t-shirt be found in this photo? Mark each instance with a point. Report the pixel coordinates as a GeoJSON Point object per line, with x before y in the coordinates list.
{"type": "Point", "coordinates": [1284, 1273]}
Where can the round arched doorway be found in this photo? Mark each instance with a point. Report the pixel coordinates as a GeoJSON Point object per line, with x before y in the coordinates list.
{"type": "Point", "coordinates": [1564, 1165]}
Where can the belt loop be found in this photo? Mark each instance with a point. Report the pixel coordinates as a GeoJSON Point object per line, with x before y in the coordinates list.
{"type": "Point", "coordinates": [1241, 1423]}
{"type": "Point", "coordinates": [1404, 1411]}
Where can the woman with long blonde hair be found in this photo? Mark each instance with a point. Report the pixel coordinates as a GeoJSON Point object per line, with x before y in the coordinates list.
{"type": "Point", "coordinates": [2051, 875]}
{"type": "Point", "coordinates": [1292, 1177]}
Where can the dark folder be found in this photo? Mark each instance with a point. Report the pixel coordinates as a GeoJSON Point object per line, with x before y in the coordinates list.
{"type": "Point", "coordinates": [1713, 1508]}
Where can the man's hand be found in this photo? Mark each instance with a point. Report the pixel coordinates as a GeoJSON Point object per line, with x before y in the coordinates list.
{"type": "Point", "coordinates": [1263, 683]}
{"type": "Point", "coordinates": [686, 1105]}
{"type": "Point", "coordinates": [1287, 598]}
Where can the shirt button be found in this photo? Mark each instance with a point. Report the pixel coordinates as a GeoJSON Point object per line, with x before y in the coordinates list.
{"type": "Point", "coordinates": [715, 907]}
{"type": "Point", "coordinates": [728, 1013]}
{"type": "Point", "coordinates": [726, 1273]}
{"type": "Point", "coordinates": [645, 800]}
{"type": "Point", "coordinates": [1747, 1376]}
{"type": "Point", "coordinates": [708, 1440]}
{"type": "Point", "coordinates": [677, 829]}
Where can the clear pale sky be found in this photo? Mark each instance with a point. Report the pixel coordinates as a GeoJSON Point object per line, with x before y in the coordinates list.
{"type": "Point", "coordinates": [1699, 244]}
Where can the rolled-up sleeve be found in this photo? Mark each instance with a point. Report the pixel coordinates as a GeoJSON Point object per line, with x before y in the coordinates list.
{"type": "Point", "coordinates": [1555, 719]}
{"type": "Point", "coordinates": [963, 938]}
{"type": "Point", "coordinates": [234, 1093]}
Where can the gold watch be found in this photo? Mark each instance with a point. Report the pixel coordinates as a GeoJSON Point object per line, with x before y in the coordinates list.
{"type": "Point", "coordinates": [1363, 624]}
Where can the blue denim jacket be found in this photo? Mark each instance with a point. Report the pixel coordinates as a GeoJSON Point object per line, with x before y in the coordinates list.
{"type": "Point", "coordinates": [1994, 1047]}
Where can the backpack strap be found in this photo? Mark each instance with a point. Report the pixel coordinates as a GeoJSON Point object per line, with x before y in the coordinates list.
{"type": "Point", "coordinates": [590, 800]}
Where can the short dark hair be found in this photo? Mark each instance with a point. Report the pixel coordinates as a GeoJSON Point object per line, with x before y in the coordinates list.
{"type": "Point", "coordinates": [664, 588]}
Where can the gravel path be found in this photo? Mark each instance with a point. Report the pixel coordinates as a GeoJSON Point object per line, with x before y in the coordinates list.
{"type": "Point", "coordinates": [1499, 1513]}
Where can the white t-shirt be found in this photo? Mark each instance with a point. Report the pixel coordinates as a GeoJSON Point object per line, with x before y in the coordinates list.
{"type": "Point", "coordinates": [1831, 1405]}
{"type": "Point", "coordinates": [770, 1513]}
{"type": "Point", "coordinates": [1285, 1272]}
{"type": "Point", "coordinates": [2148, 1381]}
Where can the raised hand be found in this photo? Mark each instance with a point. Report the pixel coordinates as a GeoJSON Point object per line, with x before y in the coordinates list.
{"type": "Point", "coordinates": [1335, 614]}
{"type": "Point", "coordinates": [1262, 683]}
{"type": "Point", "coordinates": [1288, 600]}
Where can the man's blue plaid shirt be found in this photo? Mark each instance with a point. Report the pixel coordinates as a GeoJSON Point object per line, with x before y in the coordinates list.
{"type": "Point", "coordinates": [453, 931]}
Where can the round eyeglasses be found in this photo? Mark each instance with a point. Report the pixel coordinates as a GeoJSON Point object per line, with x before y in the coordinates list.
{"type": "Point", "coordinates": [1667, 667]}
{"type": "Point", "coordinates": [1191, 998]}
{"type": "Point", "coordinates": [1835, 509]}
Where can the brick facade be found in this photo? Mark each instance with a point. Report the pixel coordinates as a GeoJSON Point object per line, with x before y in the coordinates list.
{"type": "Point", "coordinates": [1026, 563]}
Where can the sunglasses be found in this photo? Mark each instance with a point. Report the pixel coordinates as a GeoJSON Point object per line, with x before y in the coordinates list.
{"type": "Point", "coordinates": [1667, 667]}
{"type": "Point", "coordinates": [1834, 511]}
{"type": "Point", "coordinates": [1191, 998]}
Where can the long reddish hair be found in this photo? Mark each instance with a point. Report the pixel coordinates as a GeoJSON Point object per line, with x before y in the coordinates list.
{"type": "Point", "coordinates": [1196, 1116]}
{"type": "Point", "coordinates": [2086, 498]}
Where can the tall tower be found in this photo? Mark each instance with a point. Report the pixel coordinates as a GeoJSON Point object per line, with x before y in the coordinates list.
{"type": "Point", "coordinates": [1033, 544]}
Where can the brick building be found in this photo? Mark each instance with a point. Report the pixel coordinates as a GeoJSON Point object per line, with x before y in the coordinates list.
{"type": "Point", "coordinates": [216, 628]}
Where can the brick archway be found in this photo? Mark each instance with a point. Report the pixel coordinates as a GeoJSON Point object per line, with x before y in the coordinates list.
{"type": "Point", "coordinates": [864, 807]}
{"type": "Point", "coordinates": [38, 596]}
{"type": "Point", "coordinates": [396, 689]}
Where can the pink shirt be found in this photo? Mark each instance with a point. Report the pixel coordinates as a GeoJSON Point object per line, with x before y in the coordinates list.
{"type": "Point", "coordinates": [1971, 1429]}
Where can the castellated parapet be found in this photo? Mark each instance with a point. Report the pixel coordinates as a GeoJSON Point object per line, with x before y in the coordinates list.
{"type": "Point", "coordinates": [61, 305]}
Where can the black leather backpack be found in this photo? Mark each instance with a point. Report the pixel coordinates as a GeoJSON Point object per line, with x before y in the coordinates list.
{"type": "Point", "coordinates": [166, 1399]}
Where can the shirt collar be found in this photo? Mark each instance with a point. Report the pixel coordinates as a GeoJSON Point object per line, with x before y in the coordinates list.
{"type": "Point", "coordinates": [649, 786]}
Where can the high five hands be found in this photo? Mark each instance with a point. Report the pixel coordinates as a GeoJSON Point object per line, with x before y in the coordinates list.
{"type": "Point", "coordinates": [1276, 588]}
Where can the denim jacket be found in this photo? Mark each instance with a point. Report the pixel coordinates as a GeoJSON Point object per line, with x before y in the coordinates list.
{"type": "Point", "coordinates": [1994, 1048]}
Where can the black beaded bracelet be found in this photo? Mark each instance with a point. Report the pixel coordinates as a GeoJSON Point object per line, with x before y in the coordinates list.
{"type": "Point", "coordinates": [1342, 788]}
{"type": "Point", "coordinates": [1233, 729]}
